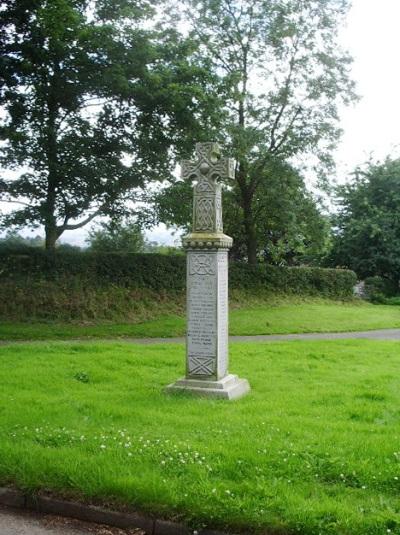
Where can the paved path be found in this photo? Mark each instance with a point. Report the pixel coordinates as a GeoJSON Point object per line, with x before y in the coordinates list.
{"type": "Point", "coordinates": [382, 334]}
{"type": "Point", "coordinates": [14, 522]}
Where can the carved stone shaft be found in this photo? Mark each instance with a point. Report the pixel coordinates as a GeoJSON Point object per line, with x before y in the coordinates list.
{"type": "Point", "coordinates": [207, 314]}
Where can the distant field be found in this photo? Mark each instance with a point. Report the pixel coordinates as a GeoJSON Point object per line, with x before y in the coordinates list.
{"type": "Point", "coordinates": [278, 318]}
{"type": "Point", "coordinates": [314, 448]}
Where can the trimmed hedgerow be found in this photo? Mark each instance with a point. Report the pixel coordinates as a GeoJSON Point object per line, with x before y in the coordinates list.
{"type": "Point", "coordinates": [160, 272]}
{"type": "Point", "coordinates": [152, 271]}
{"type": "Point", "coordinates": [335, 283]}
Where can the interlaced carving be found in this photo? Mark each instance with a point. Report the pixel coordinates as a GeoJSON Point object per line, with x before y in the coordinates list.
{"type": "Point", "coordinates": [204, 214]}
{"type": "Point", "coordinates": [201, 365]}
{"type": "Point", "coordinates": [207, 169]}
{"type": "Point", "coordinates": [201, 264]}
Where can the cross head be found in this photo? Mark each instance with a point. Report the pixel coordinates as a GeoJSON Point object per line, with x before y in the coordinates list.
{"type": "Point", "coordinates": [209, 164]}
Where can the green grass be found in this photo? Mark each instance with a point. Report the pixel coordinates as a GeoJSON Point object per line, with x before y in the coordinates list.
{"type": "Point", "coordinates": [275, 318]}
{"type": "Point", "coordinates": [314, 317]}
{"type": "Point", "coordinates": [314, 448]}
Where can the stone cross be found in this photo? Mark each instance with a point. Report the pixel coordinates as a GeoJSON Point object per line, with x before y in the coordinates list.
{"type": "Point", "coordinates": [207, 281]}
{"type": "Point", "coordinates": [206, 170]}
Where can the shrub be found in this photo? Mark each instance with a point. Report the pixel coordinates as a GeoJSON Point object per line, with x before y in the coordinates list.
{"type": "Point", "coordinates": [336, 283]}
{"type": "Point", "coordinates": [161, 272]}
{"type": "Point", "coordinates": [86, 286]}
{"type": "Point", "coordinates": [153, 271]}
{"type": "Point", "coordinates": [378, 289]}
{"type": "Point", "coordinates": [395, 301]}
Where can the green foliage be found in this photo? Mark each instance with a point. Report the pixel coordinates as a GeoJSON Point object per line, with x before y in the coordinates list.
{"type": "Point", "coordinates": [76, 285]}
{"type": "Point", "coordinates": [367, 234]}
{"type": "Point", "coordinates": [393, 301]}
{"type": "Point", "coordinates": [297, 280]}
{"type": "Point", "coordinates": [79, 299]}
{"type": "Point", "coordinates": [116, 237]}
{"type": "Point", "coordinates": [158, 248]}
{"type": "Point", "coordinates": [378, 289]}
{"type": "Point", "coordinates": [289, 226]}
{"type": "Point", "coordinates": [95, 107]}
{"type": "Point", "coordinates": [152, 271]}
{"type": "Point", "coordinates": [124, 237]}
{"type": "Point", "coordinates": [281, 75]}
{"type": "Point", "coordinates": [312, 449]}
{"type": "Point", "coordinates": [12, 241]}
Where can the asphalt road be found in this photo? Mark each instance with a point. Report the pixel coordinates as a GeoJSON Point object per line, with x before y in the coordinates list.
{"type": "Point", "coordinates": [382, 334]}
{"type": "Point", "coordinates": [14, 522]}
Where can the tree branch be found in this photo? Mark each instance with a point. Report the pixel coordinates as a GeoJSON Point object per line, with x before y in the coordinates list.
{"type": "Point", "coordinates": [81, 223]}
{"type": "Point", "coordinates": [286, 132]}
{"type": "Point", "coordinates": [285, 102]}
{"type": "Point", "coordinates": [17, 202]}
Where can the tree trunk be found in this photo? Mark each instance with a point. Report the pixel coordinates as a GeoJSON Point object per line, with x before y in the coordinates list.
{"type": "Point", "coordinates": [52, 236]}
{"type": "Point", "coordinates": [246, 188]}
{"type": "Point", "coordinates": [246, 195]}
{"type": "Point", "coordinates": [50, 222]}
{"type": "Point", "coordinates": [250, 230]}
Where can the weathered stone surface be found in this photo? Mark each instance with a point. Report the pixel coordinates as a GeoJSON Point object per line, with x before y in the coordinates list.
{"type": "Point", "coordinates": [207, 281]}
{"type": "Point", "coordinates": [206, 170]}
{"type": "Point", "coordinates": [207, 313]}
{"type": "Point", "coordinates": [230, 387]}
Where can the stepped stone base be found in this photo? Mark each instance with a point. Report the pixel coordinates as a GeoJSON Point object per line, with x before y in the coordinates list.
{"type": "Point", "coordinates": [230, 387]}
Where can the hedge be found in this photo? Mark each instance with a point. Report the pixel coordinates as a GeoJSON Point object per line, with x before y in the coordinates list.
{"type": "Point", "coordinates": [162, 272]}
{"type": "Point", "coordinates": [335, 283]}
{"type": "Point", "coordinates": [377, 289]}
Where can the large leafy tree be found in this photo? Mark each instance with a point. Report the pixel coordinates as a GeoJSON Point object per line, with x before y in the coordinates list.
{"type": "Point", "coordinates": [282, 75]}
{"type": "Point", "coordinates": [290, 228]}
{"type": "Point", "coordinates": [95, 106]}
{"type": "Point", "coordinates": [289, 225]}
{"type": "Point", "coordinates": [367, 225]}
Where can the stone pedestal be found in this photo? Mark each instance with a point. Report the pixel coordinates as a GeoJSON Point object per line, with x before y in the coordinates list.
{"type": "Point", "coordinates": [207, 286]}
{"type": "Point", "coordinates": [230, 387]}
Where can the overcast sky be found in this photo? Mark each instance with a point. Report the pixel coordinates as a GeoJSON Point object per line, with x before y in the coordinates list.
{"type": "Point", "coordinates": [372, 126]}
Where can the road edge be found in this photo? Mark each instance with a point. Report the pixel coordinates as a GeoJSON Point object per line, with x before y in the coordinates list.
{"type": "Point", "coordinates": [16, 499]}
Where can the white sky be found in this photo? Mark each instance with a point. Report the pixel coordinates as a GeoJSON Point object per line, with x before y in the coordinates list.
{"type": "Point", "coordinates": [372, 126]}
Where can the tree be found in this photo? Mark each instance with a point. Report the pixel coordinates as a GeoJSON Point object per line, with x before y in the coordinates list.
{"type": "Point", "coordinates": [367, 225]}
{"type": "Point", "coordinates": [13, 240]}
{"type": "Point", "coordinates": [290, 228]}
{"type": "Point", "coordinates": [116, 237]}
{"type": "Point", "coordinates": [282, 75]}
{"type": "Point", "coordinates": [95, 107]}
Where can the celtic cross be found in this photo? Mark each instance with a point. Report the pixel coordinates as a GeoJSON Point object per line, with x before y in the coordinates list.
{"type": "Point", "coordinates": [207, 170]}
{"type": "Point", "coordinates": [207, 249]}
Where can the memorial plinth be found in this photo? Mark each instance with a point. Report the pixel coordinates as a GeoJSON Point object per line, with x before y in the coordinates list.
{"type": "Point", "coordinates": [207, 282]}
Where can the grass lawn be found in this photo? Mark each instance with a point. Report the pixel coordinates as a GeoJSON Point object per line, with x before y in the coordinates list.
{"type": "Point", "coordinates": [280, 318]}
{"type": "Point", "coordinates": [314, 448]}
